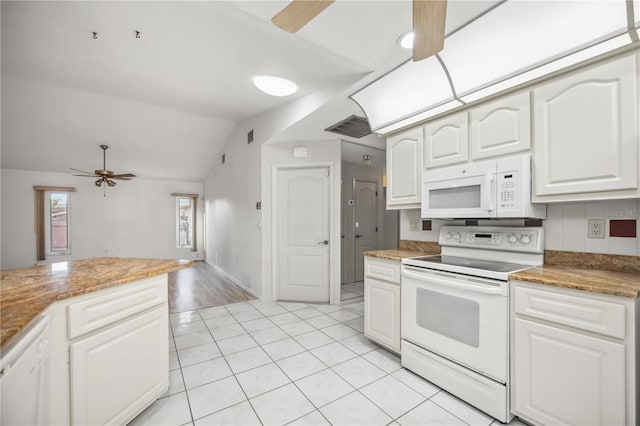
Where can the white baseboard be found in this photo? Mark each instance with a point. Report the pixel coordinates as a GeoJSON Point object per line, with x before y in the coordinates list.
{"type": "Point", "coordinates": [234, 280]}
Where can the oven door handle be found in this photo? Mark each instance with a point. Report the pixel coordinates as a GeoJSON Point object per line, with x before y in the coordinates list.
{"type": "Point", "coordinates": [458, 283]}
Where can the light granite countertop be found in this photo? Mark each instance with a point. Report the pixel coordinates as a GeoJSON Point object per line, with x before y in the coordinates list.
{"type": "Point", "coordinates": [406, 248]}
{"type": "Point", "coordinates": [616, 283]}
{"type": "Point", "coordinates": [26, 292]}
{"type": "Point", "coordinates": [395, 254]}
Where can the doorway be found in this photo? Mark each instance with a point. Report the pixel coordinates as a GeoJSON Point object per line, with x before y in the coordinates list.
{"type": "Point", "coordinates": [365, 216]}
{"type": "Point", "coordinates": [363, 204]}
{"type": "Point", "coordinates": [301, 234]}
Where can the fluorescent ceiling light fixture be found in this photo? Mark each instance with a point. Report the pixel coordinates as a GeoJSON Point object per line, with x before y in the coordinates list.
{"type": "Point", "coordinates": [406, 40]}
{"type": "Point", "coordinates": [420, 117]}
{"type": "Point", "coordinates": [275, 86]}
{"type": "Point", "coordinates": [520, 35]}
{"type": "Point", "coordinates": [567, 61]}
{"type": "Point", "coordinates": [411, 88]}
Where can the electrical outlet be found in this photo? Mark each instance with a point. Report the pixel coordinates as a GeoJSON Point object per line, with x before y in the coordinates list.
{"type": "Point", "coordinates": [414, 225]}
{"type": "Point", "coordinates": [596, 228]}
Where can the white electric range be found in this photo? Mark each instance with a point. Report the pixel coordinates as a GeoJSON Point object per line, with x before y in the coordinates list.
{"type": "Point", "coordinates": [455, 311]}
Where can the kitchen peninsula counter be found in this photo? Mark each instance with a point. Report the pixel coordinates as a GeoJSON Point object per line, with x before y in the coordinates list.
{"type": "Point", "coordinates": [26, 292]}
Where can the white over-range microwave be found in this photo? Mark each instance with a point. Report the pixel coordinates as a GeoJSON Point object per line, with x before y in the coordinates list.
{"type": "Point", "coordinates": [498, 188]}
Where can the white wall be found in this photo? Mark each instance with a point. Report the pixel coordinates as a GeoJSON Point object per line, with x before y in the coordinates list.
{"type": "Point", "coordinates": [52, 128]}
{"type": "Point", "coordinates": [281, 153]}
{"type": "Point", "coordinates": [233, 225]}
{"type": "Point", "coordinates": [565, 227]}
{"type": "Point", "coordinates": [137, 218]}
{"type": "Point", "coordinates": [232, 221]}
{"type": "Point", "coordinates": [385, 238]}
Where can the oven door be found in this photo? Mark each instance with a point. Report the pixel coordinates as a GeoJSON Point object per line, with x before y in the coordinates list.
{"type": "Point", "coordinates": [462, 318]}
{"type": "Point", "coordinates": [461, 197]}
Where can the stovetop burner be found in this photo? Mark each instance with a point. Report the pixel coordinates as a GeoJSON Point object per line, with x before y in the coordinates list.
{"type": "Point", "coordinates": [488, 265]}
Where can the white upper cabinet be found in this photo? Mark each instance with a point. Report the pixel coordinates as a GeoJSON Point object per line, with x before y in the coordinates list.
{"type": "Point", "coordinates": [404, 169]}
{"type": "Point", "coordinates": [585, 134]}
{"type": "Point", "coordinates": [446, 141]}
{"type": "Point", "coordinates": [501, 127]}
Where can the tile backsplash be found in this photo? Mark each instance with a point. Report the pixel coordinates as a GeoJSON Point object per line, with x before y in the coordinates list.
{"type": "Point", "coordinates": [566, 226]}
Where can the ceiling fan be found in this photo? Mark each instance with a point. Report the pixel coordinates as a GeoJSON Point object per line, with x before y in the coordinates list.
{"type": "Point", "coordinates": [104, 175]}
{"type": "Point", "coordinates": [428, 22]}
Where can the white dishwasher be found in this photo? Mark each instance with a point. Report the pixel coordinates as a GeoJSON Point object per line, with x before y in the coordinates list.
{"type": "Point", "coordinates": [23, 378]}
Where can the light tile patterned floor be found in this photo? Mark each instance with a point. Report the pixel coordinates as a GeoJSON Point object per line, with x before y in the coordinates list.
{"type": "Point", "coordinates": [352, 292]}
{"type": "Point", "coordinates": [266, 363]}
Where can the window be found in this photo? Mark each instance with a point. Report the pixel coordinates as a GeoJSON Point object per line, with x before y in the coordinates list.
{"type": "Point", "coordinates": [57, 223]}
{"type": "Point", "coordinates": [185, 220]}
{"type": "Point", "coordinates": [52, 205]}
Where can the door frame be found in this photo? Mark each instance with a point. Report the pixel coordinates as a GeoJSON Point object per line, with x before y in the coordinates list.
{"type": "Point", "coordinates": [334, 232]}
{"type": "Point", "coordinates": [353, 218]}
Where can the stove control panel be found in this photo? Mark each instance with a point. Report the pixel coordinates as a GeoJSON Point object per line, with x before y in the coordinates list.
{"type": "Point", "coordinates": [524, 239]}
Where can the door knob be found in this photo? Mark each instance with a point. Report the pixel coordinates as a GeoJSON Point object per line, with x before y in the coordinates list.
{"type": "Point", "coordinates": [324, 243]}
{"type": "Point", "coordinates": [358, 235]}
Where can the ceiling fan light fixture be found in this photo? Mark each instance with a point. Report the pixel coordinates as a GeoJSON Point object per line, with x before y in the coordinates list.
{"type": "Point", "coordinates": [275, 86]}
{"type": "Point", "coordinates": [406, 40]}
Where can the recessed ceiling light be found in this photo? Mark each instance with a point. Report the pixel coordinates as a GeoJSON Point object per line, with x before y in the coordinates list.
{"type": "Point", "coordinates": [406, 40]}
{"type": "Point", "coordinates": [275, 86]}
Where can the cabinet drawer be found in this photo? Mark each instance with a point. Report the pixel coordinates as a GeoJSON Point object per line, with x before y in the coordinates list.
{"type": "Point", "coordinates": [115, 304]}
{"type": "Point", "coordinates": [388, 270]}
{"type": "Point", "coordinates": [584, 313]}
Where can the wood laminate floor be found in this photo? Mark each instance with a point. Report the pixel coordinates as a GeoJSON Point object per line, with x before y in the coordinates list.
{"type": "Point", "coordinates": [201, 286]}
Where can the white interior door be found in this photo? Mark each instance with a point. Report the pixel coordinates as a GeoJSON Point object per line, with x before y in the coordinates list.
{"type": "Point", "coordinates": [365, 195]}
{"type": "Point", "coordinates": [302, 221]}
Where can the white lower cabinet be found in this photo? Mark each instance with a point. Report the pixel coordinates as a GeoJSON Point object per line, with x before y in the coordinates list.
{"type": "Point", "coordinates": [563, 373]}
{"type": "Point", "coordinates": [382, 304]}
{"type": "Point", "coordinates": [109, 353]}
{"type": "Point", "coordinates": [565, 377]}
{"type": "Point", "coordinates": [118, 371]}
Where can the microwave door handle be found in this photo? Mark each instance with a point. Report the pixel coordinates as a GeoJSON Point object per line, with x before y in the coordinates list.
{"type": "Point", "coordinates": [490, 191]}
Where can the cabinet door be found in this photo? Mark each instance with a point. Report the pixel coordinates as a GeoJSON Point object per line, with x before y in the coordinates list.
{"type": "Point", "coordinates": [446, 141]}
{"type": "Point", "coordinates": [501, 127]}
{"type": "Point", "coordinates": [404, 169]}
{"type": "Point", "coordinates": [564, 377]}
{"type": "Point", "coordinates": [585, 137]}
{"type": "Point", "coordinates": [382, 312]}
{"type": "Point", "coordinates": [119, 371]}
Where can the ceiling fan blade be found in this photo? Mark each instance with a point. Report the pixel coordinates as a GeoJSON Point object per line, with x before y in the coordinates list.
{"type": "Point", "coordinates": [299, 13]}
{"type": "Point", "coordinates": [429, 18]}
{"type": "Point", "coordinates": [125, 176]}
{"type": "Point", "coordinates": [91, 176]}
{"type": "Point", "coordinates": [81, 171]}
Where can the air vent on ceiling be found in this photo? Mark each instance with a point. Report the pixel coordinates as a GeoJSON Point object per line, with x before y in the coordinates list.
{"type": "Point", "coordinates": [354, 126]}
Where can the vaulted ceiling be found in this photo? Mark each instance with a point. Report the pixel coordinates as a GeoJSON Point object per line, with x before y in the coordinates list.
{"type": "Point", "coordinates": [177, 91]}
